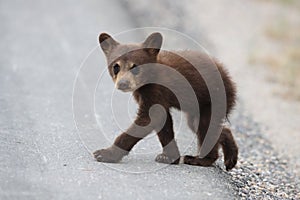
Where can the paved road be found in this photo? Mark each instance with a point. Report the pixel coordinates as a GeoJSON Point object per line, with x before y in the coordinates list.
{"type": "Point", "coordinates": [42, 157]}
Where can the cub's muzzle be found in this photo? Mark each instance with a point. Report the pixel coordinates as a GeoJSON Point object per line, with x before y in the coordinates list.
{"type": "Point", "coordinates": [123, 85]}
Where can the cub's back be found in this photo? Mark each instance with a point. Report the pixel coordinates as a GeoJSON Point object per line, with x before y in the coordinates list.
{"type": "Point", "coordinates": [199, 68]}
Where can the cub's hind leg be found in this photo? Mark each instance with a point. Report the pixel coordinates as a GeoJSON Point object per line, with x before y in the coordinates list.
{"type": "Point", "coordinates": [200, 127]}
{"type": "Point", "coordinates": [229, 147]}
{"type": "Point", "coordinates": [226, 141]}
{"type": "Point", "coordinates": [170, 154]}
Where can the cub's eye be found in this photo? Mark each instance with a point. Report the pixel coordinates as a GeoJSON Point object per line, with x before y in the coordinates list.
{"type": "Point", "coordinates": [116, 69]}
{"type": "Point", "coordinates": [134, 69]}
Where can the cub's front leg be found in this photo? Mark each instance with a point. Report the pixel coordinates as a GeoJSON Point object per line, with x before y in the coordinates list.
{"type": "Point", "coordinates": [170, 154]}
{"type": "Point", "coordinates": [125, 142]}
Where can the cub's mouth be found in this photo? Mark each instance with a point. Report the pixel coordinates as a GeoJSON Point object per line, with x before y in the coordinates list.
{"type": "Point", "coordinates": [126, 90]}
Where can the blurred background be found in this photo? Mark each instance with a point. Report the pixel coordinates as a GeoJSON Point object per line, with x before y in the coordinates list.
{"type": "Point", "coordinates": [43, 47]}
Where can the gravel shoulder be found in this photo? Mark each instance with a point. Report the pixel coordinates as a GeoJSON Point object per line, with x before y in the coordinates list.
{"type": "Point", "coordinates": [268, 159]}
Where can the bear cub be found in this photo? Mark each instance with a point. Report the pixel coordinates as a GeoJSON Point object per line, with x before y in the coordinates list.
{"type": "Point", "coordinates": [161, 80]}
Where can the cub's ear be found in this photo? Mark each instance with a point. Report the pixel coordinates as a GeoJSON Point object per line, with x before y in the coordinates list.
{"type": "Point", "coordinates": [153, 43]}
{"type": "Point", "coordinates": [107, 43]}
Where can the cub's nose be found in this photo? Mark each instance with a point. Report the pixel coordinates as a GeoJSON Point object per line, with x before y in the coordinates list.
{"type": "Point", "coordinates": [123, 85]}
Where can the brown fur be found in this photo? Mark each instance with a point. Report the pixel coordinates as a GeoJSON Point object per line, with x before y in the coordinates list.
{"type": "Point", "coordinates": [150, 94]}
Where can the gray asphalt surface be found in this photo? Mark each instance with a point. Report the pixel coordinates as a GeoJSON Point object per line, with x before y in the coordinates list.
{"type": "Point", "coordinates": [43, 44]}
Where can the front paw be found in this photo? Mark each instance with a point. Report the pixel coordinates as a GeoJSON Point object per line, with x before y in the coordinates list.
{"type": "Point", "coordinates": [108, 155]}
{"type": "Point", "coordinates": [164, 158]}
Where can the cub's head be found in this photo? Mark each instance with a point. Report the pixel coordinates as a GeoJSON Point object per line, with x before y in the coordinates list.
{"type": "Point", "coordinates": [128, 64]}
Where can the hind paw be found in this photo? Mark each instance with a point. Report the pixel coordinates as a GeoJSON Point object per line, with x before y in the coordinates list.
{"type": "Point", "coordinates": [230, 163]}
